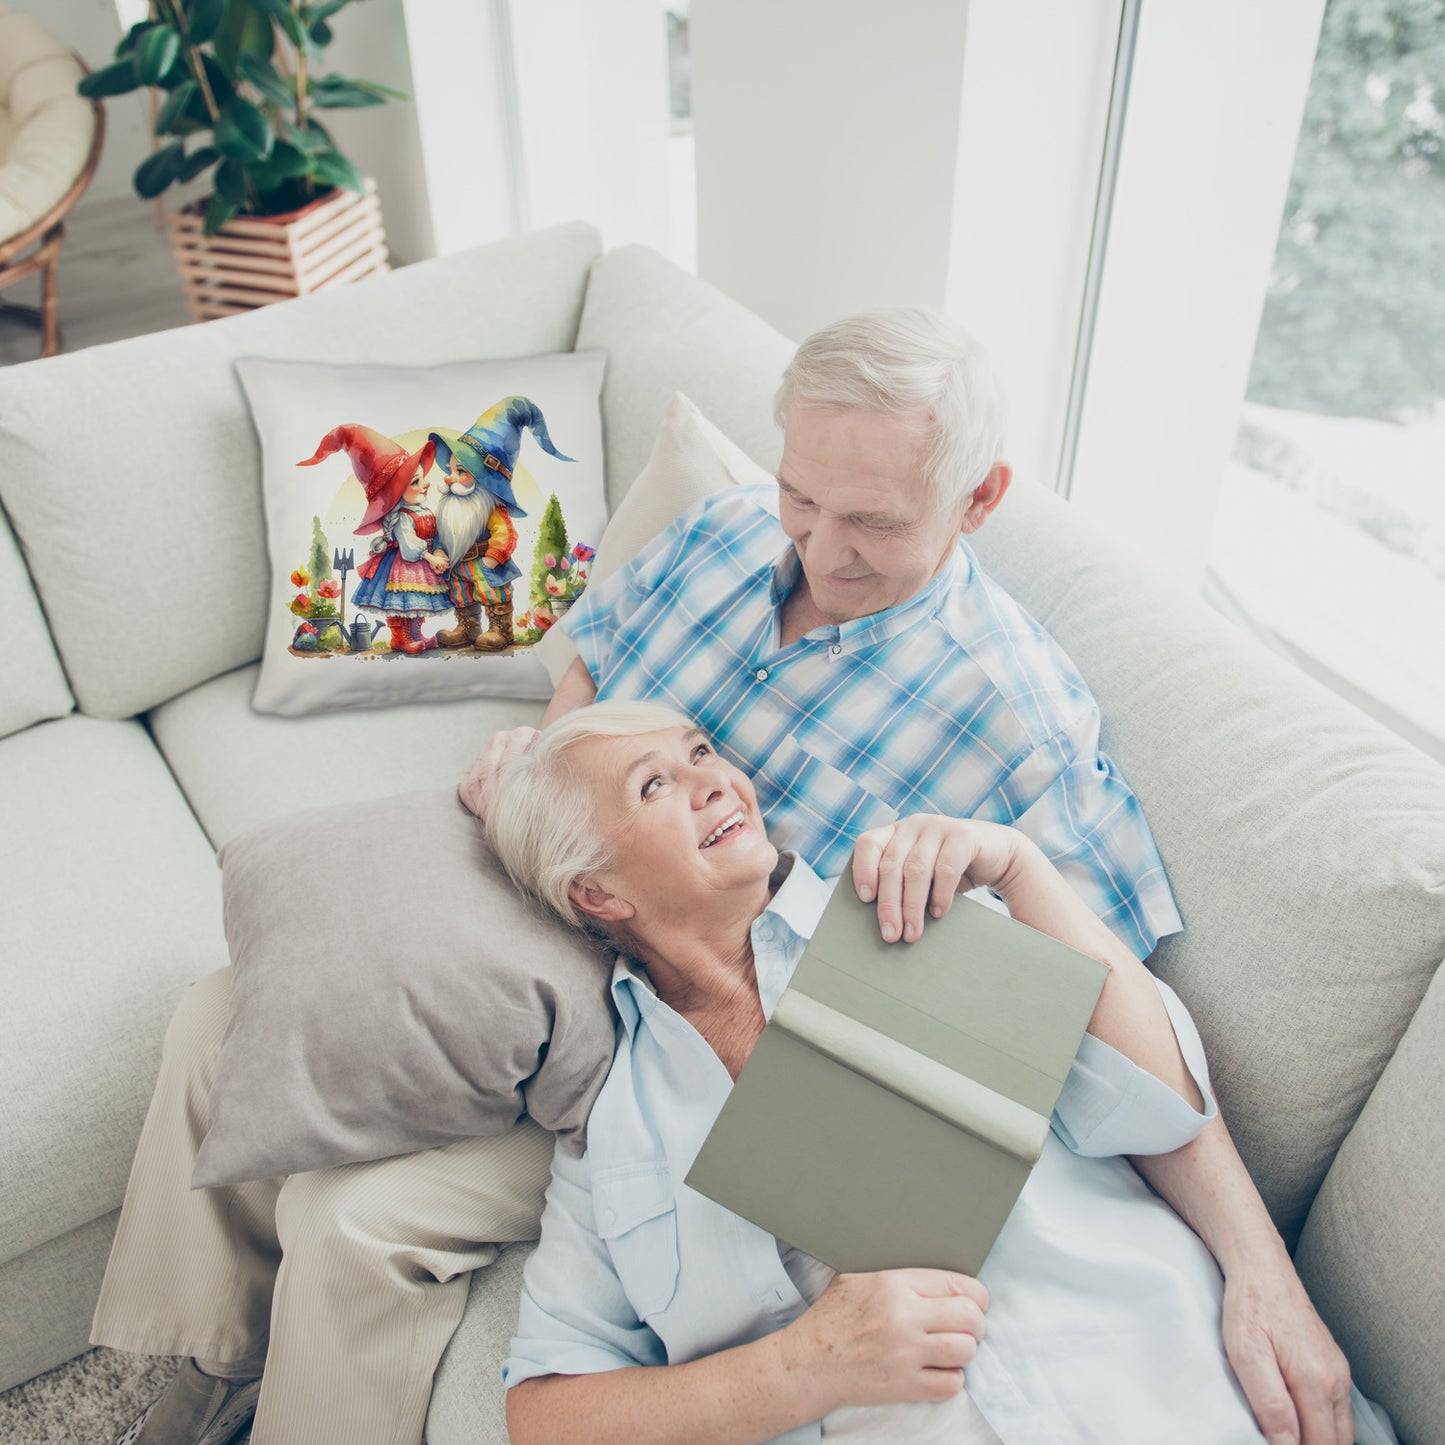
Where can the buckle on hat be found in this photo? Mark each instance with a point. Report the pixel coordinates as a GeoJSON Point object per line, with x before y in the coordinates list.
{"type": "Point", "coordinates": [493, 465]}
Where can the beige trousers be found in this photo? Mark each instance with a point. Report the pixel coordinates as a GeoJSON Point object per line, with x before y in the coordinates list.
{"type": "Point", "coordinates": [349, 1281]}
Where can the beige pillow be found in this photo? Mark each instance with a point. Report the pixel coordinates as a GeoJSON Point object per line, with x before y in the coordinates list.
{"type": "Point", "coordinates": [691, 459]}
{"type": "Point", "coordinates": [392, 992]}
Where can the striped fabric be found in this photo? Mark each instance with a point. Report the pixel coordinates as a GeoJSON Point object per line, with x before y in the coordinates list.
{"type": "Point", "coordinates": [468, 582]}
{"type": "Point", "coordinates": [954, 702]}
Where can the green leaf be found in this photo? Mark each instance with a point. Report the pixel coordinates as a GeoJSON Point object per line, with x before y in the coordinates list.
{"type": "Point", "coordinates": [377, 88]}
{"type": "Point", "coordinates": [244, 31]}
{"type": "Point", "coordinates": [174, 109]}
{"type": "Point", "coordinates": [117, 79]}
{"type": "Point", "coordinates": [231, 181]}
{"type": "Point", "coordinates": [157, 52]}
{"type": "Point", "coordinates": [242, 131]}
{"type": "Point", "coordinates": [203, 19]}
{"type": "Point", "coordinates": [157, 171]}
{"type": "Point", "coordinates": [131, 38]}
{"type": "Point", "coordinates": [323, 11]}
{"type": "Point", "coordinates": [222, 85]}
{"type": "Point", "coordinates": [319, 33]}
{"type": "Point", "coordinates": [333, 168]}
{"type": "Point", "coordinates": [218, 212]}
{"type": "Point", "coordinates": [278, 89]}
{"type": "Point", "coordinates": [287, 163]}
{"type": "Point", "coordinates": [197, 161]}
{"type": "Point", "coordinates": [312, 140]}
{"type": "Point", "coordinates": [285, 17]}
{"type": "Point", "coordinates": [333, 92]}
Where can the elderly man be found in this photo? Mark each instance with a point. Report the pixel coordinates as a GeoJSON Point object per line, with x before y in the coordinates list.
{"type": "Point", "coordinates": [838, 641]}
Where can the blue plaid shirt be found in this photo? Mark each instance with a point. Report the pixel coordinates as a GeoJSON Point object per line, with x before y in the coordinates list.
{"type": "Point", "coordinates": [954, 702]}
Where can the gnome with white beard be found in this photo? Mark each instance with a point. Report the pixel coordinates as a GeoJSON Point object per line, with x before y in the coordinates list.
{"type": "Point", "coordinates": [475, 526]}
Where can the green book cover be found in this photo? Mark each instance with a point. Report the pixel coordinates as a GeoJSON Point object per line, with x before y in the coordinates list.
{"type": "Point", "coordinates": [900, 1094]}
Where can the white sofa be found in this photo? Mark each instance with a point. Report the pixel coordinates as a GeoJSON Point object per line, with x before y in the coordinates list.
{"type": "Point", "coordinates": [1305, 845]}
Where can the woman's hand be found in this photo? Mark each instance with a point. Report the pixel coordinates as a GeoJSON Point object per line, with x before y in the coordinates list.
{"type": "Point", "coordinates": [897, 1335]}
{"type": "Point", "coordinates": [475, 788]}
{"type": "Point", "coordinates": [918, 864]}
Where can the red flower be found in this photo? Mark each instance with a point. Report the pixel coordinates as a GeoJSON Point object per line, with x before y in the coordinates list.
{"type": "Point", "coordinates": [302, 600]}
{"type": "Point", "coordinates": [307, 627]}
{"type": "Point", "coordinates": [583, 553]}
{"type": "Point", "coordinates": [543, 620]}
{"type": "Point", "coordinates": [300, 577]}
{"type": "Point", "coordinates": [330, 588]}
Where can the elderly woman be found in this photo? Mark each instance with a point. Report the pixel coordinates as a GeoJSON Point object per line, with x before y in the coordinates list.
{"type": "Point", "coordinates": [654, 1314]}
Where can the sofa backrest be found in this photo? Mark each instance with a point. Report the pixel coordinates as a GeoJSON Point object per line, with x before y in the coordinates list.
{"type": "Point", "coordinates": [1302, 841]}
{"type": "Point", "coordinates": [132, 473]}
{"type": "Point", "coordinates": [32, 682]}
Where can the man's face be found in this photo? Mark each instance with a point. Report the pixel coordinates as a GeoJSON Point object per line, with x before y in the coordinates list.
{"type": "Point", "coordinates": [457, 474]}
{"type": "Point", "coordinates": [852, 499]}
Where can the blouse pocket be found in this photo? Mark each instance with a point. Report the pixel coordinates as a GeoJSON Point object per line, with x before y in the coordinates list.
{"type": "Point", "coordinates": [816, 809]}
{"type": "Point", "coordinates": [637, 1217]}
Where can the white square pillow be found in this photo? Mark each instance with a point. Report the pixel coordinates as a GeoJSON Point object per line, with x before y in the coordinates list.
{"type": "Point", "coordinates": [425, 525]}
{"type": "Point", "coordinates": [691, 459]}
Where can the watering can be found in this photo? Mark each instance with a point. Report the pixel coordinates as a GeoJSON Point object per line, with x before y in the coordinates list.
{"type": "Point", "coordinates": [361, 639]}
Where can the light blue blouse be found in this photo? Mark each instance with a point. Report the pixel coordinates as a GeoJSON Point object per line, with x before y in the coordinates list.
{"type": "Point", "coordinates": [1105, 1316]}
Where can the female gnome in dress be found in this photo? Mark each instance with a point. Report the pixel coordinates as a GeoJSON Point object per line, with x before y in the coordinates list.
{"type": "Point", "coordinates": [404, 578]}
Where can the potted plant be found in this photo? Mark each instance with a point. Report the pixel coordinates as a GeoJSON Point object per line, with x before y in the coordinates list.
{"type": "Point", "coordinates": [240, 84]}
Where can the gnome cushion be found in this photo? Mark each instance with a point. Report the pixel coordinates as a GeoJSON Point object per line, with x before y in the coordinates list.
{"type": "Point", "coordinates": [404, 535]}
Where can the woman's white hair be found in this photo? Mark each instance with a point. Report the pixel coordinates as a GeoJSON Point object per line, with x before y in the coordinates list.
{"type": "Point", "coordinates": [908, 361]}
{"type": "Point", "coordinates": [542, 820]}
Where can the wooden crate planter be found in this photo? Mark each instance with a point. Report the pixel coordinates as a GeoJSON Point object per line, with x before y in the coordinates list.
{"type": "Point", "coordinates": [255, 260]}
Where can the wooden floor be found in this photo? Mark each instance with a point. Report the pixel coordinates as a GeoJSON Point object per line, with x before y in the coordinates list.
{"type": "Point", "coordinates": [117, 279]}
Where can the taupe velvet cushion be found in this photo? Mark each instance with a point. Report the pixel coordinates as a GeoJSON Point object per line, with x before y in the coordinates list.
{"type": "Point", "coordinates": [393, 993]}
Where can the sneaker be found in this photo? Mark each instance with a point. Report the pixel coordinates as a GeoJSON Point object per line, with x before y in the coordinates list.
{"type": "Point", "coordinates": [195, 1409]}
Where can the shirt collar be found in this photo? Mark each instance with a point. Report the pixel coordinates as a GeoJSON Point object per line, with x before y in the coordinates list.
{"type": "Point", "coordinates": [878, 626]}
{"type": "Point", "coordinates": [779, 935]}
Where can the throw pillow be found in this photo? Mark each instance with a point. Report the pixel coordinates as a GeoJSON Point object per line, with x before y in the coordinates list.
{"type": "Point", "coordinates": [366, 1023]}
{"type": "Point", "coordinates": [425, 524]}
{"type": "Point", "coordinates": [691, 459]}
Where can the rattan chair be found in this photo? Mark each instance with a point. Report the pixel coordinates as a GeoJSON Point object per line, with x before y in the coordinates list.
{"type": "Point", "coordinates": [47, 159]}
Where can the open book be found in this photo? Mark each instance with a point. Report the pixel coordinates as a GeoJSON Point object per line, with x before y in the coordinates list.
{"type": "Point", "coordinates": [900, 1094]}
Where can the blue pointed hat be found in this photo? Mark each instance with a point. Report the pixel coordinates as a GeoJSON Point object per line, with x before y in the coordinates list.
{"type": "Point", "coordinates": [488, 448]}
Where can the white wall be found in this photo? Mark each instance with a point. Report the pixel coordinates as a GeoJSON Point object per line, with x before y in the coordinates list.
{"type": "Point", "coordinates": [827, 145]}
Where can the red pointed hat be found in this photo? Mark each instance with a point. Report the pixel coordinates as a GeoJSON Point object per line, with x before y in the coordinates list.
{"type": "Point", "coordinates": [383, 467]}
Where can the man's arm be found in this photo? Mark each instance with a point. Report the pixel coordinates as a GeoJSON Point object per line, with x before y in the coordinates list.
{"type": "Point", "coordinates": [1295, 1377]}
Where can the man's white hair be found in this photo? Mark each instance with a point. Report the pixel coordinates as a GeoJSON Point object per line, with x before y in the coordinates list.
{"type": "Point", "coordinates": [908, 361]}
{"type": "Point", "coordinates": [542, 820]}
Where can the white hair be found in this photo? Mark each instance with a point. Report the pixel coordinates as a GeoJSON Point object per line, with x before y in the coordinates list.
{"type": "Point", "coordinates": [542, 821]}
{"type": "Point", "coordinates": [908, 360]}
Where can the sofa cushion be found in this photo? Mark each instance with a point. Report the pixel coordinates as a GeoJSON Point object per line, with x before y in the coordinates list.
{"type": "Point", "coordinates": [132, 474]}
{"type": "Point", "coordinates": [664, 331]}
{"type": "Point", "coordinates": [407, 1000]}
{"type": "Point", "coordinates": [1302, 841]}
{"type": "Point", "coordinates": [1372, 1254]}
{"type": "Point", "coordinates": [327, 432]}
{"type": "Point", "coordinates": [32, 682]}
{"type": "Point", "coordinates": [240, 768]}
{"type": "Point", "coordinates": [113, 906]}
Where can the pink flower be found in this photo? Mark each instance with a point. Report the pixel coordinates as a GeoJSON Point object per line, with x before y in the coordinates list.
{"type": "Point", "coordinates": [549, 560]}
{"type": "Point", "coordinates": [583, 553]}
{"type": "Point", "coordinates": [330, 588]}
{"type": "Point", "coordinates": [543, 620]}
{"type": "Point", "coordinates": [554, 587]}
{"type": "Point", "coordinates": [300, 577]}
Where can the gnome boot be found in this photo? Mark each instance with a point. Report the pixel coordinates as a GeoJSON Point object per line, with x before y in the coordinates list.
{"type": "Point", "coordinates": [498, 637]}
{"type": "Point", "coordinates": [469, 623]}
{"type": "Point", "coordinates": [401, 638]}
{"type": "Point", "coordinates": [414, 632]}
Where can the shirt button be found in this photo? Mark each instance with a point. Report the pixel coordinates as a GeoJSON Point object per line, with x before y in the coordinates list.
{"type": "Point", "coordinates": [761, 674]}
{"type": "Point", "coordinates": [836, 648]}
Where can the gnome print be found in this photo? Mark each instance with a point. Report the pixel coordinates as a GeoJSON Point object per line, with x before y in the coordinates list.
{"type": "Point", "coordinates": [476, 520]}
{"type": "Point", "coordinates": [404, 576]}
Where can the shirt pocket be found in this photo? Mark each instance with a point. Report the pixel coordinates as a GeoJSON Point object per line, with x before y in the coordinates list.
{"type": "Point", "coordinates": [637, 1218]}
{"type": "Point", "coordinates": [817, 809]}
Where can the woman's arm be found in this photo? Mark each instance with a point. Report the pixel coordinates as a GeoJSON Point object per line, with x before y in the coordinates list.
{"type": "Point", "coordinates": [916, 866]}
{"type": "Point", "coordinates": [870, 1339]}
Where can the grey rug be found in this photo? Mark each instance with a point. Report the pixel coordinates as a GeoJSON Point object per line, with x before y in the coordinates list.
{"type": "Point", "coordinates": [86, 1402]}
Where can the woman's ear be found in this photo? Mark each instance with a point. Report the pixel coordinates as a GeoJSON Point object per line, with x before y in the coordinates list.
{"type": "Point", "coordinates": [596, 902]}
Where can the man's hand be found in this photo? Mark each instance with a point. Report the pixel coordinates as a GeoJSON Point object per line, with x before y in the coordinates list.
{"type": "Point", "coordinates": [437, 560]}
{"type": "Point", "coordinates": [1295, 1377]}
{"type": "Point", "coordinates": [479, 779]}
